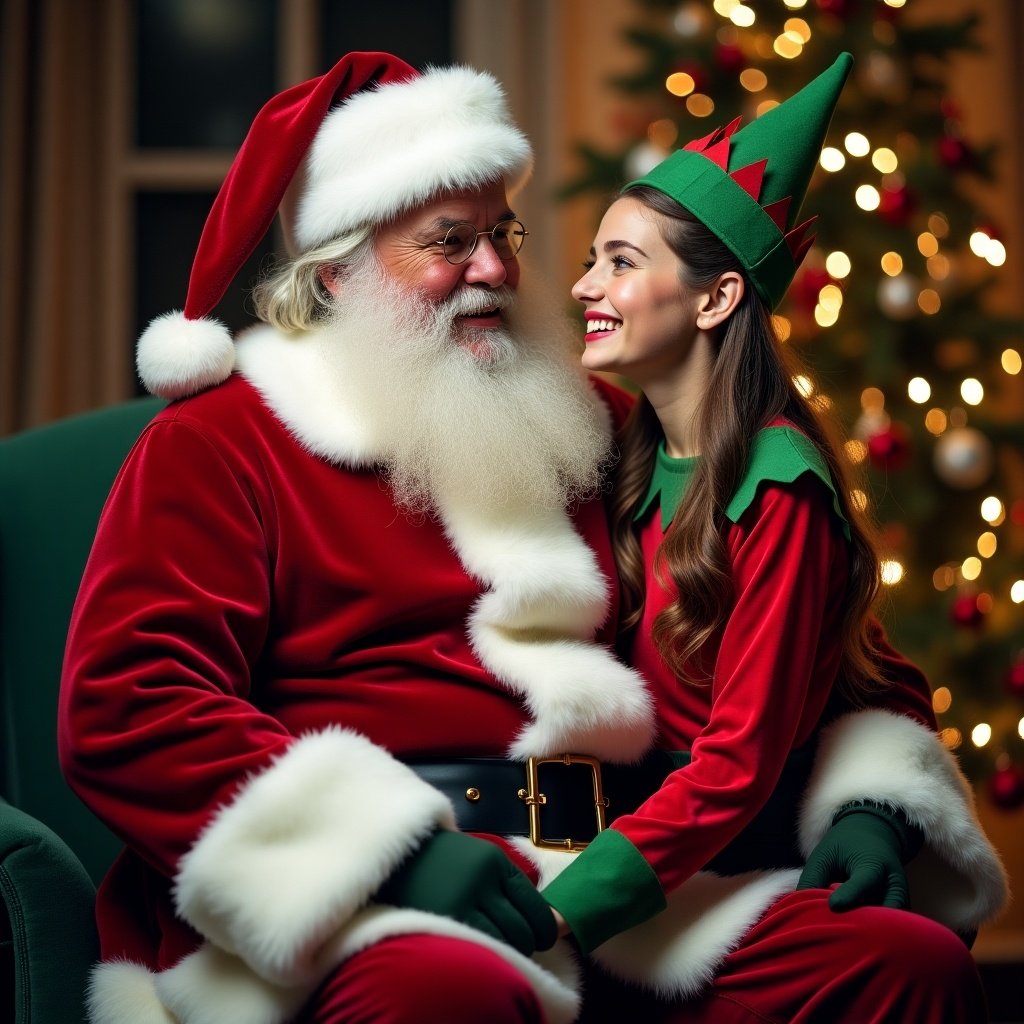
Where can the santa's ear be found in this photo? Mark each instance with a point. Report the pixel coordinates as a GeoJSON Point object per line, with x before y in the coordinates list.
{"type": "Point", "coordinates": [331, 276]}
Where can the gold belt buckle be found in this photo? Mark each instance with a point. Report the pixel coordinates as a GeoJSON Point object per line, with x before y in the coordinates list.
{"type": "Point", "coordinates": [535, 800]}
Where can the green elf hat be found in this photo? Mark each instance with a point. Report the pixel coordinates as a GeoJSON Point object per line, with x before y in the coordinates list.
{"type": "Point", "coordinates": [748, 186]}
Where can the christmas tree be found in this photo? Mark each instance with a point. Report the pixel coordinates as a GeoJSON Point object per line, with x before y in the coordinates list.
{"type": "Point", "coordinates": [890, 310]}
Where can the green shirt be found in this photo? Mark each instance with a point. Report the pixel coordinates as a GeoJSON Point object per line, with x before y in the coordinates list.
{"type": "Point", "coordinates": [779, 454]}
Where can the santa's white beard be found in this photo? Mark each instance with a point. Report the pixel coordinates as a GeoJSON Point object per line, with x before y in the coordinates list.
{"type": "Point", "coordinates": [486, 420]}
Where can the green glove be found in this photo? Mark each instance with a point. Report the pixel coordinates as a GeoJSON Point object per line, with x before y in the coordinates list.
{"type": "Point", "coordinates": [471, 880]}
{"type": "Point", "coordinates": [865, 849]}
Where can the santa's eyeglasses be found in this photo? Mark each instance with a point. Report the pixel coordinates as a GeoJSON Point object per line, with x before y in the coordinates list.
{"type": "Point", "coordinates": [459, 242]}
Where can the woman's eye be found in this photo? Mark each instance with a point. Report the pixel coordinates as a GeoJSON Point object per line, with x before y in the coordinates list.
{"type": "Point", "coordinates": [620, 262]}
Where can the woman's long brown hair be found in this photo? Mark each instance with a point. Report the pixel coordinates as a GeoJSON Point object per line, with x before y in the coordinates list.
{"type": "Point", "coordinates": [752, 383]}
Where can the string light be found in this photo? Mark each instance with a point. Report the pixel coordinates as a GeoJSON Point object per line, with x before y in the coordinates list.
{"type": "Point", "coordinates": [679, 83]}
{"type": "Point", "coordinates": [929, 302]}
{"type": "Point", "coordinates": [935, 422]}
{"type": "Point", "coordinates": [919, 390]}
{"type": "Point", "coordinates": [831, 298]}
{"type": "Point", "coordinates": [988, 248]}
{"type": "Point", "coordinates": [970, 568]}
{"type": "Point", "coordinates": [884, 160]}
{"type": "Point", "coordinates": [867, 197]}
{"type": "Point", "coordinates": [856, 451]}
{"type": "Point", "coordinates": [971, 391]}
{"type": "Point", "coordinates": [951, 738]}
{"type": "Point", "coordinates": [872, 400]}
{"type": "Point", "coordinates": [987, 544]}
{"type": "Point", "coordinates": [943, 578]}
{"type": "Point", "coordinates": [857, 144]}
{"type": "Point", "coordinates": [832, 159]}
{"type": "Point", "coordinates": [981, 734]}
{"type": "Point", "coordinates": [892, 264]}
{"type": "Point", "coordinates": [992, 510]}
{"type": "Point", "coordinates": [825, 317]}
{"type": "Point", "coordinates": [753, 79]}
{"type": "Point", "coordinates": [1011, 361]}
{"type": "Point", "coordinates": [700, 105]}
{"type": "Point", "coordinates": [890, 572]}
{"type": "Point", "coordinates": [787, 46]}
{"type": "Point", "coordinates": [838, 266]}
{"type": "Point", "coordinates": [942, 700]}
{"type": "Point", "coordinates": [927, 244]}
{"type": "Point", "coordinates": [1017, 592]}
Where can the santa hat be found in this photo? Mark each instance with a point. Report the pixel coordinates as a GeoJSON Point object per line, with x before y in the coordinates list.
{"type": "Point", "coordinates": [359, 145]}
{"type": "Point", "coordinates": [748, 186]}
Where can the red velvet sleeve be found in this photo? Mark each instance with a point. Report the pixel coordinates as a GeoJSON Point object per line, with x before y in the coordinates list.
{"type": "Point", "coordinates": [155, 730]}
{"type": "Point", "coordinates": [776, 662]}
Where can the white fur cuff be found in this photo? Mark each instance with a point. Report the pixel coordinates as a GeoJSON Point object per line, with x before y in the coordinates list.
{"type": "Point", "coordinates": [301, 848]}
{"type": "Point", "coordinates": [957, 878]}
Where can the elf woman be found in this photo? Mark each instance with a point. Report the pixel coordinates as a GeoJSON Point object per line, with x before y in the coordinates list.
{"type": "Point", "coordinates": [748, 578]}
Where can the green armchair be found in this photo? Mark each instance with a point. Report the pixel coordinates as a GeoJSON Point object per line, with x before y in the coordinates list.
{"type": "Point", "coordinates": [53, 482]}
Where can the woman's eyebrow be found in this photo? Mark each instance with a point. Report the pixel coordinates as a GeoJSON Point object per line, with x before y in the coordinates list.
{"type": "Point", "coordinates": [619, 243]}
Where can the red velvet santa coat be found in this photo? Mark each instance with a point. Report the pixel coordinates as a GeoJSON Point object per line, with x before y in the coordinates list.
{"type": "Point", "coordinates": [260, 630]}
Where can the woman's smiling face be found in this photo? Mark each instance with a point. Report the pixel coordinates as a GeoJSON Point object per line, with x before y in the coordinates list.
{"type": "Point", "coordinates": [640, 317]}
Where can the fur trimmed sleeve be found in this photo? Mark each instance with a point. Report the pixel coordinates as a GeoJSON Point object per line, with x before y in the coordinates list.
{"type": "Point", "coordinates": [957, 878]}
{"type": "Point", "coordinates": [320, 830]}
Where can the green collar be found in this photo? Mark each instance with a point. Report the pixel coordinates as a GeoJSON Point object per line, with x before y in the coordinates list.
{"type": "Point", "coordinates": [669, 481]}
{"type": "Point", "coordinates": [780, 453]}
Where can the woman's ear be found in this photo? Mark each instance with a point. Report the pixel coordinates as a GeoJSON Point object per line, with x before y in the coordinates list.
{"type": "Point", "coordinates": [720, 300]}
{"type": "Point", "coordinates": [330, 275]}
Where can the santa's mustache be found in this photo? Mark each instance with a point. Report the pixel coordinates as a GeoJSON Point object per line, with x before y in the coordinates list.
{"type": "Point", "coordinates": [474, 300]}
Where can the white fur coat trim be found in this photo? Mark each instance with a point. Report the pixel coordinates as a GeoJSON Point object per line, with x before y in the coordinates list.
{"type": "Point", "coordinates": [532, 628]}
{"type": "Point", "coordinates": [677, 952]}
{"type": "Point", "coordinates": [957, 878]}
{"type": "Point", "coordinates": [545, 595]}
{"type": "Point", "coordinates": [210, 986]}
{"type": "Point", "coordinates": [301, 848]}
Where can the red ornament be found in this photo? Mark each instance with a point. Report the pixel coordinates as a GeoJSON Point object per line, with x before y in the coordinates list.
{"type": "Point", "coordinates": [954, 153]}
{"type": "Point", "coordinates": [950, 109]}
{"type": "Point", "coordinates": [1015, 678]}
{"type": "Point", "coordinates": [808, 284]}
{"type": "Point", "coordinates": [1006, 787]}
{"type": "Point", "coordinates": [840, 8]}
{"type": "Point", "coordinates": [966, 612]}
{"type": "Point", "coordinates": [729, 57]}
{"type": "Point", "coordinates": [896, 205]}
{"type": "Point", "coordinates": [890, 448]}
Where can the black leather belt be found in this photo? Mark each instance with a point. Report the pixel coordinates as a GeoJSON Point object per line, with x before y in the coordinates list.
{"type": "Point", "coordinates": [563, 801]}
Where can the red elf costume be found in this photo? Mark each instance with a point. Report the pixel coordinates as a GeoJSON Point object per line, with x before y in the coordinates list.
{"type": "Point", "coordinates": [266, 648]}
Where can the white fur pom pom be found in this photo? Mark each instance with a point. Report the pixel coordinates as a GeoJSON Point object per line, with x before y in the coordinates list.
{"type": "Point", "coordinates": [176, 357]}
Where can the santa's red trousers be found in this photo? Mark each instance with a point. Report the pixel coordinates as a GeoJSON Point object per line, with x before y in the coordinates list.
{"type": "Point", "coordinates": [801, 963]}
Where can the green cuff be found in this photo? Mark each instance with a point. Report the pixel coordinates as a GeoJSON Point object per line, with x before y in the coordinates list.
{"type": "Point", "coordinates": [607, 889]}
{"type": "Point", "coordinates": [910, 836]}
